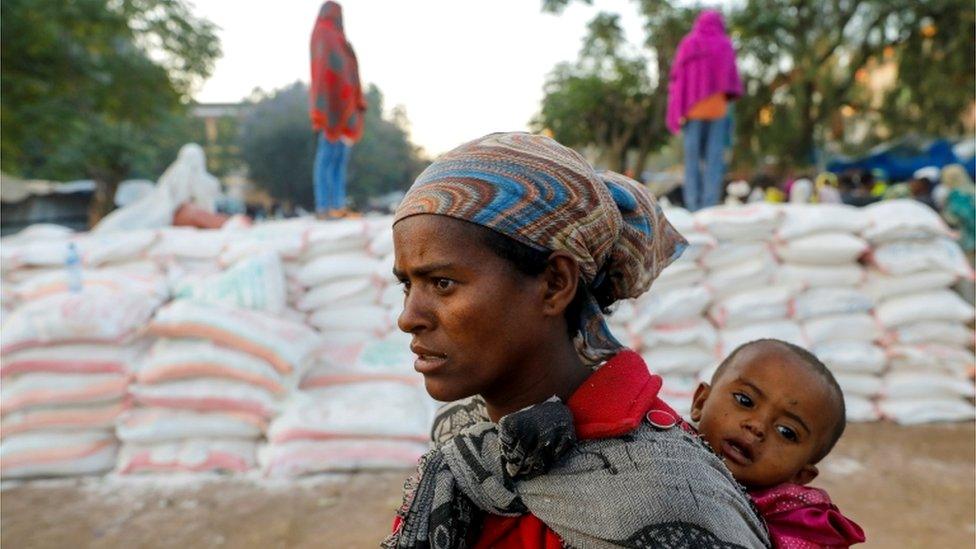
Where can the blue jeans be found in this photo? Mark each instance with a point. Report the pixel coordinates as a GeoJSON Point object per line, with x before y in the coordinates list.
{"type": "Point", "coordinates": [704, 140]}
{"type": "Point", "coordinates": [329, 174]}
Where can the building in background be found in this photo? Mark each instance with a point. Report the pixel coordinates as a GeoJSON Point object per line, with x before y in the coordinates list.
{"type": "Point", "coordinates": [26, 202]}
{"type": "Point", "coordinates": [220, 130]}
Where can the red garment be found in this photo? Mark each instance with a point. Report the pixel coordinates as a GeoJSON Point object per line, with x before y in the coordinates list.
{"type": "Point", "coordinates": [336, 102]}
{"type": "Point", "coordinates": [610, 403]}
{"type": "Point", "coordinates": [799, 517]}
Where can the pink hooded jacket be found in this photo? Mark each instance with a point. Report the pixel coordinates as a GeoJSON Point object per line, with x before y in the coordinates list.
{"type": "Point", "coordinates": [704, 65]}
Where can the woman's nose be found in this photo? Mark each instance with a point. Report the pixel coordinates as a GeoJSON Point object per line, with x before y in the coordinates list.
{"type": "Point", "coordinates": [415, 316]}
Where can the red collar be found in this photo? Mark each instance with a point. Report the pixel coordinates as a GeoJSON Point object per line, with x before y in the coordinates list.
{"type": "Point", "coordinates": [613, 401]}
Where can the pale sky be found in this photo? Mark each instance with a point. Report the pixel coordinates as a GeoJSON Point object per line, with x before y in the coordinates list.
{"type": "Point", "coordinates": [461, 68]}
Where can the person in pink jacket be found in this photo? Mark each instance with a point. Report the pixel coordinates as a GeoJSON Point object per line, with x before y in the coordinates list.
{"type": "Point", "coordinates": [703, 80]}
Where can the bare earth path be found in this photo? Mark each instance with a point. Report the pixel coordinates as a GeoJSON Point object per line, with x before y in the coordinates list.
{"type": "Point", "coordinates": [907, 486]}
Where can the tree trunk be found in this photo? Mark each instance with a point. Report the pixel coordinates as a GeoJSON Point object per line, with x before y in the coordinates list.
{"type": "Point", "coordinates": [642, 152]}
{"type": "Point", "coordinates": [804, 138]}
{"type": "Point", "coordinates": [616, 153]}
{"type": "Point", "coordinates": [103, 202]}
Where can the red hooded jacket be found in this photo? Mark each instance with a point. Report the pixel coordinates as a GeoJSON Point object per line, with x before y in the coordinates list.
{"type": "Point", "coordinates": [336, 103]}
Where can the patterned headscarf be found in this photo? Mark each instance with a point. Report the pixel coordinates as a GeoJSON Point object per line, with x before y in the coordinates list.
{"type": "Point", "coordinates": [546, 196]}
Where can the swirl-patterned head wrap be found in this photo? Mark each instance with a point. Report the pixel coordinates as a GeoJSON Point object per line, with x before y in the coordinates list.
{"type": "Point", "coordinates": [546, 196]}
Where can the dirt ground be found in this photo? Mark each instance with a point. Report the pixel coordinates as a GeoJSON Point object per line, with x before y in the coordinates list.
{"type": "Point", "coordinates": [907, 486]}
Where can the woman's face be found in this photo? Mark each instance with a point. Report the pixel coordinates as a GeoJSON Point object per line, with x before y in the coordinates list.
{"type": "Point", "coordinates": [474, 318]}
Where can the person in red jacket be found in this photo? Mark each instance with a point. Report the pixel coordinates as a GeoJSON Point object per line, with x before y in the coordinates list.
{"type": "Point", "coordinates": [336, 108]}
{"type": "Point", "coordinates": [510, 248]}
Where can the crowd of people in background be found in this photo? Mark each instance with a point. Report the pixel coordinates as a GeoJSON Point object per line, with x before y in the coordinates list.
{"type": "Point", "coordinates": [949, 190]}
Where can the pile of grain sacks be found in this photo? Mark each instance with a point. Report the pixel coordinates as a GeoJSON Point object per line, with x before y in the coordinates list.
{"type": "Point", "coordinates": [359, 407]}
{"type": "Point", "coordinates": [345, 275]}
{"type": "Point", "coordinates": [76, 307]}
{"type": "Point", "coordinates": [67, 359]}
{"type": "Point", "coordinates": [279, 350]}
{"type": "Point", "coordinates": [224, 363]}
{"type": "Point", "coordinates": [893, 333]}
{"type": "Point", "coordinates": [928, 337]}
{"type": "Point", "coordinates": [820, 247]}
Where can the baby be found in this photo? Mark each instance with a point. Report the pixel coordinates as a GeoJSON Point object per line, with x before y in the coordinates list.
{"type": "Point", "coordinates": [772, 412]}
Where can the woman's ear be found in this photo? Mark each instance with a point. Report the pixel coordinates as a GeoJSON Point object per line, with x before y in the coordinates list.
{"type": "Point", "coordinates": [561, 278]}
{"type": "Point", "coordinates": [701, 395]}
{"type": "Point", "coordinates": [806, 475]}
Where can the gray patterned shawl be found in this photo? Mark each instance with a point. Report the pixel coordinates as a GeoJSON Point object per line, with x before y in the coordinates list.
{"type": "Point", "coordinates": [649, 488]}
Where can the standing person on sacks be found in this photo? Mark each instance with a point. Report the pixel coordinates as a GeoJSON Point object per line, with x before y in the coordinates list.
{"type": "Point", "coordinates": [703, 80]}
{"type": "Point", "coordinates": [510, 248]}
{"type": "Point", "coordinates": [336, 108]}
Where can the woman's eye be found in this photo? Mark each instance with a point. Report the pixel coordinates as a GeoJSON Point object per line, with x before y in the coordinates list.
{"type": "Point", "coordinates": [443, 284]}
{"type": "Point", "coordinates": [787, 433]}
{"type": "Point", "coordinates": [743, 399]}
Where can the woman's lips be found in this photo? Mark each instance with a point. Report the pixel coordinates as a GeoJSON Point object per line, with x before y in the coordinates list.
{"type": "Point", "coordinates": [427, 361]}
{"type": "Point", "coordinates": [427, 364]}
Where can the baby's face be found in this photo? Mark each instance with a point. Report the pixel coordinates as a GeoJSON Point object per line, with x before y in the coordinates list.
{"type": "Point", "coordinates": [767, 415]}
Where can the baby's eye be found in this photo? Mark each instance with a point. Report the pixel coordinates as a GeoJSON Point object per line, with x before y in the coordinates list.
{"type": "Point", "coordinates": [742, 399]}
{"type": "Point", "coordinates": [787, 433]}
{"type": "Point", "coordinates": [443, 284]}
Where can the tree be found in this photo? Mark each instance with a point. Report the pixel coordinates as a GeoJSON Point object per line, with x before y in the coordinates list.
{"type": "Point", "coordinates": [604, 99]}
{"type": "Point", "coordinates": [808, 63]}
{"type": "Point", "coordinates": [96, 87]}
{"type": "Point", "coordinates": [278, 145]}
{"type": "Point", "coordinates": [936, 64]}
{"type": "Point", "coordinates": [614, 98]}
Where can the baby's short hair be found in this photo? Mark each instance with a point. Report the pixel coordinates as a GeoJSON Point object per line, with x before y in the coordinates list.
{"type": "Point", "coordinates": [815, 365]}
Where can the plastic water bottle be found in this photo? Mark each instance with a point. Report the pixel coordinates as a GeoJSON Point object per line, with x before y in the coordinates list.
{"type": "Point", "coordinates": [72, 264]}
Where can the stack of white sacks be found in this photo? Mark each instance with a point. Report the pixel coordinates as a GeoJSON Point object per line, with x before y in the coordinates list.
{"type": "Point", "coordinates": [343, 283]}
{"type": "Point", "coordinates": [360, 406]}
{"type": "Point", "coordinates": [927, 332]}
{"type": "Point", "coordinates": [287, 331]}
{"type": "Point", "coordinates": [667, 325]}
{"type": "Point", "coordinates": [796, 273]}
{"type": "Point", "coordinates": [363, 375]}
{"type": "Point", "coordinates": [225, 362]}
{"type": "Point", "coordinates": [749, 301]}
{"type": "Point", "coordinates": [67, 360]}
{"type": "Point", "coordinates": [75, 309]}
{"type": "Point", "coordinates": [820, 248]}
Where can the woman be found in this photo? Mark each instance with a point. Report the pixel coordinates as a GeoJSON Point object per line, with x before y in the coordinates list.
{"type": "Point", "coordinates": [510, 249]}
{"type": "Point", "coordinates": [703, 80]}
{"type": "Point", "coordinates": [336, 109]}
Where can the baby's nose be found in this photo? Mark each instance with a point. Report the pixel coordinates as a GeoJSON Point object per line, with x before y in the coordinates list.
{"type": "Point", "coordinates": [755, 428]}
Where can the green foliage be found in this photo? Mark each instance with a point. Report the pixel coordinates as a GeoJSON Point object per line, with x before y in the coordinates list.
{"type": "Point", "coordinates": [613, 98]}
{"type": "Point", "coordinates": [800, 62]}
{"type": "Point", "coordinates": [603, 99]}
{"type": "Point", "coordinates": [97, 87]}
{"type": "Point", "coordinates": [278, 145]}
{"type": "Point", "coordinates": [938, 64]}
